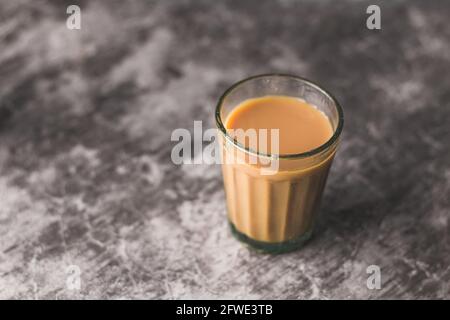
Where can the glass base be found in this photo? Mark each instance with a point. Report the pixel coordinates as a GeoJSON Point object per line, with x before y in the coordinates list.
{"type": "Point", "coordinates": [271, 247]}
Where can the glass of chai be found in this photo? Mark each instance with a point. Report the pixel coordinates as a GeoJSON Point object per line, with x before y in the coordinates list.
{"type": "Point", "coordinates": [278, 135]}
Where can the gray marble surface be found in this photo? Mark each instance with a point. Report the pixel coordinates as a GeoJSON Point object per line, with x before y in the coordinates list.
{"type": "Point", "coordinates": [86, 178]}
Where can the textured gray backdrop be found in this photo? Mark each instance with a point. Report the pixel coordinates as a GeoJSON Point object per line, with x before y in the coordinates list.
{"type": "Point", "coordinates": [86, 177]}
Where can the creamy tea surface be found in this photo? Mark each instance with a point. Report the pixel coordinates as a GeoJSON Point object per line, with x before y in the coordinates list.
{"type": "Point", "coordinates": [302, 127]}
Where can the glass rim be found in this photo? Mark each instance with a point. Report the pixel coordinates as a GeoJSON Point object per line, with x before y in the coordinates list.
{"type": "Point", "coordinates": [324, 146]}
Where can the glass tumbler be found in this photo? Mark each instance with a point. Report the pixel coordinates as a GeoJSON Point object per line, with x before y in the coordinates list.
{"type": "Point", "coordinates": [275, 213]}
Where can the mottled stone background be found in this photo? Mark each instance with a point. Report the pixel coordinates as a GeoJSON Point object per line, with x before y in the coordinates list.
{"type": "Point", "coordinates": [86, 177]}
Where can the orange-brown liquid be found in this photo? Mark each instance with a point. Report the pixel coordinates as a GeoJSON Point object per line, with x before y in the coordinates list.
{"type": "Point", "coordinates": [279, 207]}
{"type": "Point", "coordinates": [302, 127]}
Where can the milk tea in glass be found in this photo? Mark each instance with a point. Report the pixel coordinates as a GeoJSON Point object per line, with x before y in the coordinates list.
{"type": "Point", "coordinates": [278, 136]}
